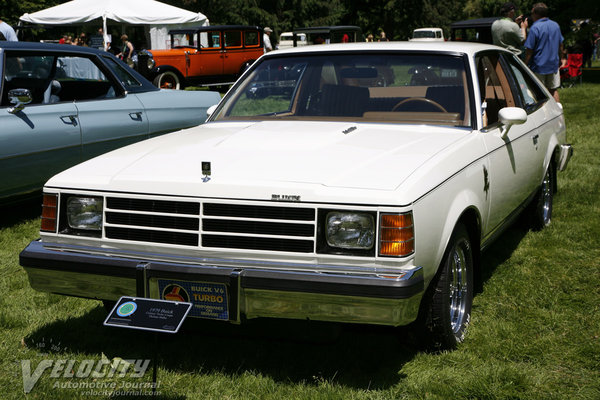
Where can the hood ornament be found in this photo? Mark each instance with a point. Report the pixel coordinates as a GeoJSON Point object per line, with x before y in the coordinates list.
{"type": "Point", "coordinates": [206, 171]}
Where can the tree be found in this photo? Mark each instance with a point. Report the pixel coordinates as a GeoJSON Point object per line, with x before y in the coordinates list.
{"type": "Point", "coordinates": [281, 15]}
{"type": "Point", "coordinates": [396, 17]}
{"type": "Point", "coordinates": [13, 9]}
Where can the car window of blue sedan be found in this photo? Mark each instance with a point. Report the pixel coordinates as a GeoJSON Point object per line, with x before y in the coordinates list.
{"type": "Point", "coordinates": [52, 78]}
{"type": "Point", "coordinates": [126, 78]}
{"type": "Point", "coordinates": [79, 68]}
{"type": "Point", "coordinates": [32, 72]}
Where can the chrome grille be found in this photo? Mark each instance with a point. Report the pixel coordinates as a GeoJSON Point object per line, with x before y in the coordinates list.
{"type": "Point", "coordinates": [211, 224]}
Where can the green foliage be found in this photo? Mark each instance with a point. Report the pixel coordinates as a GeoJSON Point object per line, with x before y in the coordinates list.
{"type": "Point", "coordinates": [11, 10]}
{"type": "Point", "coordinates": [396, 17]}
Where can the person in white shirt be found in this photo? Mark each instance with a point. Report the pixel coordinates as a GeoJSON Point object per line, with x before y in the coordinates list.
{"type": "Point", "coordinates": [267, 39]}
{"type": "Point", "coordinates": [8, 32]}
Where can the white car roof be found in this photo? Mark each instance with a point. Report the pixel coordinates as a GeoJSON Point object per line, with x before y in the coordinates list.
{"type": "Point", "coordinates": [469, 48]}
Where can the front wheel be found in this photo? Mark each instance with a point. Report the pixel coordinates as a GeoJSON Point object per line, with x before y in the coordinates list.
{"type": "Point", "coordinates": [168, 80]}
{"type": "Point", "coordinates": [449, 308]}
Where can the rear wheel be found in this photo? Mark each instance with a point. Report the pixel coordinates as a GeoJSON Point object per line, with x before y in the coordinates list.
{"type": "Point", "coordinates": [449, 308]}
{"type": "Point", "coordinates": [168, 80]}
{"type": "Point", "coordinates": [542, 211]}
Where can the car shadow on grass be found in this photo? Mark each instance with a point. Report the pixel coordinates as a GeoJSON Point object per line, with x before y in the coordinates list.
{"type": "Point", "coordinates": [306, 352]}
{"type": "Point", "coordinates": [501, 250]}
{"type": "Point", "coordinates": [19, 210]}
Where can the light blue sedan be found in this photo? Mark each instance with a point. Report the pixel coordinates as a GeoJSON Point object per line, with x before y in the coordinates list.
{"type": "Point", "coordinates": [62, 105]}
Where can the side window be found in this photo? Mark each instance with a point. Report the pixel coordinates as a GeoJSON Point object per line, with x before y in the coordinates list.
{"type": "Point", "coordinates": [128, 80]}
{"type": "Point", "coordinates": [52, 78]}
{"type": "Point", "coordinates": [494, 87]}
{"type": "Point", "coordinates": [79, 78]}
{"type": "Point", "coordinates": [251, 38]}
{"type": "Point", "coordinates": [210, 39]}
{"type": "Point", "coordinates": [183, 39]}
{"type": "Point", "coordinates": [526, 89]}
{"type": "Point", "coordinates": [27, 71]}
{"type": "Point", "coordinates": [233, 38]}
{"type": "Point", "coordinates": [78, 68]}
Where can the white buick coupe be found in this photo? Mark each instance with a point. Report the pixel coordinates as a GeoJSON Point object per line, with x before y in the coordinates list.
{"type": "Point", "coordinates": [356, 183]}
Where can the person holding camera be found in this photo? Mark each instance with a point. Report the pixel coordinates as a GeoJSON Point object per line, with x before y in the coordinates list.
{"type": "Point", "coordinates": [510, 32]}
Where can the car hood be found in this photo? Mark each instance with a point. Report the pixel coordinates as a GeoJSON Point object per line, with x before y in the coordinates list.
{"type": "Point", "coordinates": [277, 154]}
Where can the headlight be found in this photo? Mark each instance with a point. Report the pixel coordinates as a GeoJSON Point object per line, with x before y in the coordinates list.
{"type": "Point", "coordinates": [150, 63]}
{"type": "Point", "coordinates": [85, 213]}
{"type": "Point", "coordinates": [350, 230]}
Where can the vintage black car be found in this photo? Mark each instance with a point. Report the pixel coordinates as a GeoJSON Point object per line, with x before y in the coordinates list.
{"type": "Point", "coordinates": [473, 30]}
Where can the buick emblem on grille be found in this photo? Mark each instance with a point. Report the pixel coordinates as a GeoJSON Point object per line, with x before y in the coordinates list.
{"type": "Point", "coordinates": [285, 197]}
{"type": "Point", "coordinates": [206, 171]}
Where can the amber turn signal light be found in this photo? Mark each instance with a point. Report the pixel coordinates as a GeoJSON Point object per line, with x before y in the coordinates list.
{"type": "Point", "coordinates": [396, 235]}
{"type": "Point", "coordinates": [49, 212]}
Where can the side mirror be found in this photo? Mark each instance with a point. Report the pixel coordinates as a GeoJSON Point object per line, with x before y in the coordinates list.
{"type": "Point", "coordinates": [509, 116]}
{"type": "Point", "coordinates": [211, 110]}
{"type": "Point", "coordinates": [18, 98]}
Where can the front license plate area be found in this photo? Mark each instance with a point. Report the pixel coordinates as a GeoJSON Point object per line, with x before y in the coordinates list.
{"type": "Point", "coordinates": [209, 300]}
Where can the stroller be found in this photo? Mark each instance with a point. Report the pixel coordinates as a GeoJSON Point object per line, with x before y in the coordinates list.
{"type": "Point", "coordinates": [572, 72]}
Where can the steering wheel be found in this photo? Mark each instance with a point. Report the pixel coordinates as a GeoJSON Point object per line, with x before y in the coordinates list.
{"type": "Point", "coordinates": [421, 99]}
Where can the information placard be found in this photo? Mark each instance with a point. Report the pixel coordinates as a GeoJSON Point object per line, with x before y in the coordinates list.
{"type": "Point", "coordinates": [148, 314]}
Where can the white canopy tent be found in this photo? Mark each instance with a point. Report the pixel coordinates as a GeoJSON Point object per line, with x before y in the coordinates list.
{"type": "Point", "coordinates": [159, 16]}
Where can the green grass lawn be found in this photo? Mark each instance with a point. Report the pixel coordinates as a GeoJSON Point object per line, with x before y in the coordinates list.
{"type": "Point", "coordinates": [535, 332]}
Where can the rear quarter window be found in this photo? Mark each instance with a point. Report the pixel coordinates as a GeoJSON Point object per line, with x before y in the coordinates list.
{"type": "Point", "coordinates": [251, 39]}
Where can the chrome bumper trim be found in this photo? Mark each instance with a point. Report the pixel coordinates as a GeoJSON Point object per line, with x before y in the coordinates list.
{"type": "Point", "coordinates": [565, 153]}
{"type": "Point", "coordinates": [255, 292]}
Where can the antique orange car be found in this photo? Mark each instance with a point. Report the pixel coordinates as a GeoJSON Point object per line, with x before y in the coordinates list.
{"type": "Point", "coordinates": [207, 55]}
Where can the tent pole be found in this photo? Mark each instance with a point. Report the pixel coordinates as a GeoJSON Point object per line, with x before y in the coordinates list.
{"type": "Point", "coordinates": [105, 32]}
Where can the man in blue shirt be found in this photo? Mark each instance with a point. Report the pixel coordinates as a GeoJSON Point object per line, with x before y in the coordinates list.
{"type": "Point", "coordinates": [543, 48]}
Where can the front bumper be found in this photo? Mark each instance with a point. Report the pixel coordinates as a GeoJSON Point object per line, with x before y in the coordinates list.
{"type": "Point", "coordinates": [265, 290]}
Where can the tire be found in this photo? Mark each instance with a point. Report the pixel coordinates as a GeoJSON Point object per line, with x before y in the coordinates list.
{"type": "Point", "coordinates": [542, 204]}
{"type": "Point", "coordinates": [449, 308]}
{"type": "Point", "coordinates": [168, 80]}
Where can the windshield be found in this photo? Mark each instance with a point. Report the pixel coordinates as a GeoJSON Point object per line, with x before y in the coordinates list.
{"type": "Point", "coordinates": [404, 88]}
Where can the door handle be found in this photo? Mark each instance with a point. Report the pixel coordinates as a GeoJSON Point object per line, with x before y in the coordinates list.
{"type": "Point", "coordinates": [136, 116]}
{"type": "Point", "coordinates": [69, 119]}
